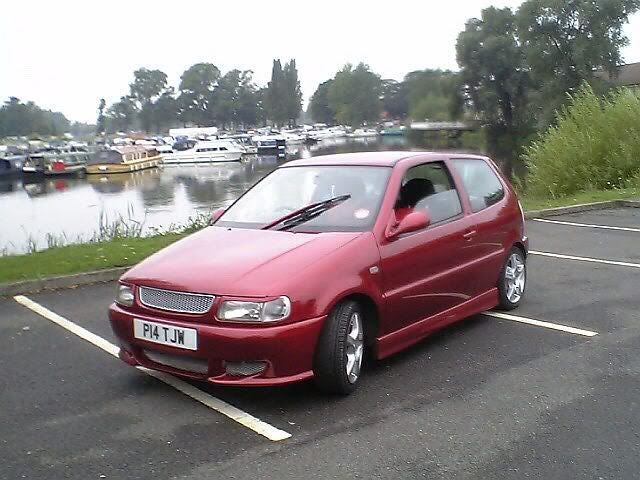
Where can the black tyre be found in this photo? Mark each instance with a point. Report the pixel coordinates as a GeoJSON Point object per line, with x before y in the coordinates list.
{"type": "Point", "coordinates": [340, 350]}
{"type": "Point", "coordinates": [513, 280]}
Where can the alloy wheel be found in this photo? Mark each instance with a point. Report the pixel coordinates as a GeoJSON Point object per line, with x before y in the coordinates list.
{"type": "Point", "coordinates": [355, 347]}
{"type": "Point", "coordinates": [515, 277]}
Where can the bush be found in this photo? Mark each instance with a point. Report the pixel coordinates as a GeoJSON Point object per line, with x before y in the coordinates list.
{"type": "Point", "coordinates": [595, 145]}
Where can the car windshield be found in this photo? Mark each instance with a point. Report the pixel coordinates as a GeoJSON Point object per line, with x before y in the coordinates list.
{"type": "Point", "coordinates": [289, 189]}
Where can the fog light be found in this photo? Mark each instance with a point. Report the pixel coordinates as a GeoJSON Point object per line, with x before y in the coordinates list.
{"type": "Point", "coordinates": [244, 369]}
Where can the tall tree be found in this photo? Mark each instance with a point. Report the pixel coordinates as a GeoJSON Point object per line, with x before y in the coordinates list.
{"type": "Point", "coordinates": [275, 99]}
{"type": "Point", "coordinates": [165, 111]}
{"type": "Point", "coordinates": [496, 78]}
{"type": "Point", "coordinates": [565, 41]}
{"type": "Point", "coordinates": [121, 116]}
{"type": "Point", "coordinates": [100, 122]}
{"type": "Point", "coordinates": [197, 84]}
{"type": "Point", "coordinates": [146, 88]}
{"type": "Point", "coordinates": [354, 95]}
{"type": "Point", "coordinates": [394, 98]}
{"type": "Point", "coordinates": [249, 100]}
{"type": "Point", "coordinates": [434, 95]}
{"type": "Point", "coordinates": [319, 104]}
{"type": "Point", "coordinates": [292, 92]}
{"type": "Point", "coordinates": [234, 99]}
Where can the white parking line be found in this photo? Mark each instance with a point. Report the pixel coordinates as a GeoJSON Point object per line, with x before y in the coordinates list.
{"type": "Point", "coordinates": [585, 259]}
{"type": "Point", "coordinates": [587, 225]}
{"type": "Point", "coordinates": [243, 418]}
{"type": "Point", "coordinates": [540, 323]}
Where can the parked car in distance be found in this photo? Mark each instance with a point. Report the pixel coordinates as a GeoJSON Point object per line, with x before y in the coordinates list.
{"type": "Point", "coordinates": [323, 262]}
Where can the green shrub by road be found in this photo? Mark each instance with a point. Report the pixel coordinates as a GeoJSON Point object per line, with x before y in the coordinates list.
{"type": "Point", "coordinates": [595, 145]}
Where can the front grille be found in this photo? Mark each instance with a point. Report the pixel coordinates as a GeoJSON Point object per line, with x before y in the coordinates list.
{"type": "Point", "coordinates": [188, 364]}
{"type": "Point", "coordinates": [175, 301]}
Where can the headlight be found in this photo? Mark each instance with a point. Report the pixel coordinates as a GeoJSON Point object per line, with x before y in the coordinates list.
{"type": "Point", "coordinates": [271, 311]}
{"type": "Point", "coordinates": [125, 295]}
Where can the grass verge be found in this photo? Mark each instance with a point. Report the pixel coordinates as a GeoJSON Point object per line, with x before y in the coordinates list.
{"type": "Point", "coordinates": [82, 258]}
{"type": "Point", "coordinates": [126, 252]}
{"type": "Point", "coordinates": [533, 203]}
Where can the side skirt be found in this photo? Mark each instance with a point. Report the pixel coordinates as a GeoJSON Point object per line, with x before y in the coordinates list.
{"type": "Point", "coordinates": [411, 334]}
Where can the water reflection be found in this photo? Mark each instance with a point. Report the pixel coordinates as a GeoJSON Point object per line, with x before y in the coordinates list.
{"type": "Point", "coordinates": [74, 207]}
{"type": "Point", "coordinates": [36, 187]}
{"type": "Point", "coordinates": [8, 185]}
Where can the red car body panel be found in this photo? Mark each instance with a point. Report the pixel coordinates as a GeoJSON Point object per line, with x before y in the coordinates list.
{"type": "Point", "coordinates": [414, 284]}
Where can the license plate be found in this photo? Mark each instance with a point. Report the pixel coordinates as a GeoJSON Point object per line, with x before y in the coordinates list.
{"type": "Point", "coordinates": [163, 334]}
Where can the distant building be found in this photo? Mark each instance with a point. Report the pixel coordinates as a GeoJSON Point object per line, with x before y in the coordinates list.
{"type": "Point", "coordinates": [628, 76]}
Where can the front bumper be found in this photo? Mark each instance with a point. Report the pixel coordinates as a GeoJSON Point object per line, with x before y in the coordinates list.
{"type": "Point", "coordinates": [286, 350]}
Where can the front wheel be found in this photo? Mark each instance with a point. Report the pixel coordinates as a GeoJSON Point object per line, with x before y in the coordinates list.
{"type": "Point", "coordinates": [340, 350]}
{"type": "Point", "coordinates": [511, 285]}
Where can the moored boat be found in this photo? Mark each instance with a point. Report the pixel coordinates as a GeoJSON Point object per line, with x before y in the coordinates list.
{"type": "Point", "coordinates": [269, 144]}
{"type": "Point", "coordinates": [394, 131]}
{"type": "Point", "coordinates": [124, 159]}
{"type": "Point", "coordinates": [11, 165]}
{"type": "Point", "coordinates": [205, 152]}
{"type": "Point", "coordinates": [55, 163]}
{"type": "Point", "coordinates": [363, 133]}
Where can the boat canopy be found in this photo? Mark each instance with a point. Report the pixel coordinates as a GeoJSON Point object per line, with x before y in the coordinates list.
{"type": "Point", "coordinates": [121, 154]}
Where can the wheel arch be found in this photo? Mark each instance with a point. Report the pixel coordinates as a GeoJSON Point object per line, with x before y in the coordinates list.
{"type": "Point", "coordinates": [371, 314]}
{"type": "Point", "coordinates": [521, 246]}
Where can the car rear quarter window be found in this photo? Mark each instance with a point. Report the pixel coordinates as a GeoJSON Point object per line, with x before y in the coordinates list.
{"type": "Point", "coordinates": [480, 181]}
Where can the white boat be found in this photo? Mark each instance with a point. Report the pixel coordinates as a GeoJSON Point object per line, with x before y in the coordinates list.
{"type": "Point", "coordinates": [243, 140]}
{"type": "Point", "coordinates": [269, 143]}
{"type": "Point", "coordinates": [204, 151]}
{"type": "Point", "coordinates": [292, 138]}
{"type": "Point", "coordinates": [363, 133]}
{"type": "Point", "coordinates": [331, 132]}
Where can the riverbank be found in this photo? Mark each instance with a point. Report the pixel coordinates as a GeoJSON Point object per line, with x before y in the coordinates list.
{"type": "Point", "coordinates": [125, 252]}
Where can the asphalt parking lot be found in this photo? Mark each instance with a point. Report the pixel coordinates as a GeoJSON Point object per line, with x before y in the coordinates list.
{"type": "Point", "coordinates": [487, 398]}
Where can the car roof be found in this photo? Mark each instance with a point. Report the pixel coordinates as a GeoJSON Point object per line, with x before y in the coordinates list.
{"type": "Point", "coordinates": [380, 159]}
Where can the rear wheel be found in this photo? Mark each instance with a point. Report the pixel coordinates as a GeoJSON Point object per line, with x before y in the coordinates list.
{"type": "Point", "coordinates": [511, 285]}
{"type": "Point", "coordinates": [340, 351]}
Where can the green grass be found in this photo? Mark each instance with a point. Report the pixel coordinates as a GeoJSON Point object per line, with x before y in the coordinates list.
{"type": "Point", "coordinates": [82, 258]}
{"type": "Point", "coordinates": [532, 203]}
{"type": "Point", "coordinates": [124, 252]}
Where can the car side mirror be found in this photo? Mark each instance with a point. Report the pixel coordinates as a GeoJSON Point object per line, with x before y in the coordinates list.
{"type": "Point", "coordinates": [412, 222]}
{"type": "Point", "coordinates": [217, 213]}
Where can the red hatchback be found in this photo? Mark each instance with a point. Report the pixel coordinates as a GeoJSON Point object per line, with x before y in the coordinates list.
{"type": "Point", "coordinates": [322, 262]}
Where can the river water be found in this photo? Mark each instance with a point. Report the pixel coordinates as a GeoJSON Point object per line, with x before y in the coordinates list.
{"type": "Point", "coordinates": [37, 213]}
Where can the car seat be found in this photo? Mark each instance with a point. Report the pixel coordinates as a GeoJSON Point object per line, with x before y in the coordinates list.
{"type": "Point", "coordinates": [413, 191]}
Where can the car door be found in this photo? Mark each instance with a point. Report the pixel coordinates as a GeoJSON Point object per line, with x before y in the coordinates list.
{"type": "Point", "coordinates": [423, 271]}
{"type": "Point", "coordinates": [487, 228]}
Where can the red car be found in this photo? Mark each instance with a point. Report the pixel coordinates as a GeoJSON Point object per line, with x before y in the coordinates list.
{"type": "Point", "coordinates": [322, 262]}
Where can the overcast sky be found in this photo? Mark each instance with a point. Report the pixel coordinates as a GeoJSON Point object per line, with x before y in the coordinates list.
{"type": "Point", "coordinates": [66, 55]}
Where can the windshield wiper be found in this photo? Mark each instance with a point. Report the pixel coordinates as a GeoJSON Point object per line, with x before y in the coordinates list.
{"type": "Point", "coordinates": [305, 214]}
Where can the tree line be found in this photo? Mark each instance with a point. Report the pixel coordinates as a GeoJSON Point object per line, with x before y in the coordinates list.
{"type": "Point", "coordinates": [516, 69]}
{"type": "Point", "coordinates": [18, 119]}
{"type": "Point", "coordinates": [205, 96]}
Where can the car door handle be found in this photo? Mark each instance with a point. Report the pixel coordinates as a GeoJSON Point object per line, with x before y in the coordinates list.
{"type": "Point", "coordinates": [469, 235]}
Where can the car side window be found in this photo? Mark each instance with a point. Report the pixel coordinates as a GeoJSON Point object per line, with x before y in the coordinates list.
{"type": "Point", "coordinates": [480, 181]}
{"type": "Point", "coordinates": [429, 187]}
